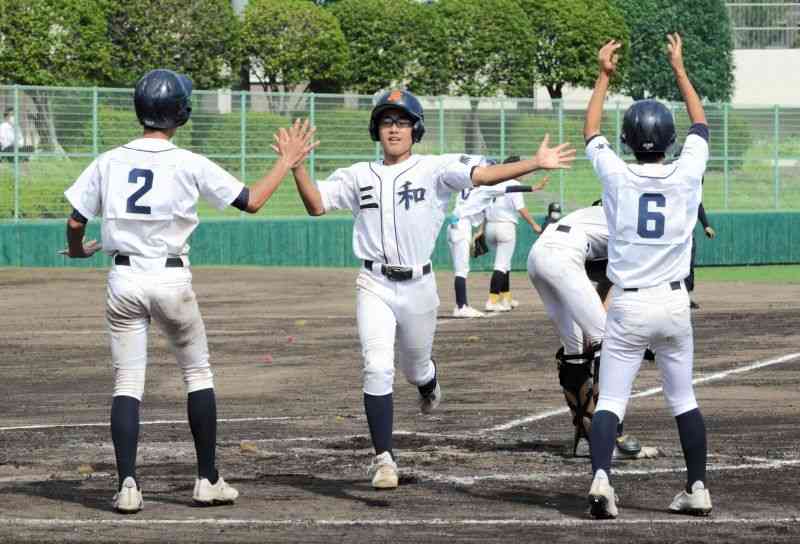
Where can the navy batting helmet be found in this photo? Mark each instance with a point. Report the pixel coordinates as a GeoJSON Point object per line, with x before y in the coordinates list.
{"type": "Point", "coordinates": [404, 101]}
{"type": "Point", "coordinates": [162, 99]}
{"type": "Point", "coordinates": [648, 127]}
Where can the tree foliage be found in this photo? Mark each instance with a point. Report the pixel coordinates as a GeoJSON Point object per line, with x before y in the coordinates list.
{"type": "Point", "coordinates": [568, 34]}
{"type": "Point", "coordinates": [53, 42]}
{"type": "Point", "coordinates": [393, 43]}
{"type": "Point", "coordinates": [490, 47]}
{"type": "Point", "coordinates": [707, 46]}
{"type": "Point", "coordinates": [199, 38]}
{"type": "Point", "coordinates": [291, 42]}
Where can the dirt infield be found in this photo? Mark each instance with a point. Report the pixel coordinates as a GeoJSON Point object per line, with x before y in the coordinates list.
{"type": "Point", "coordinates": [491, 465]}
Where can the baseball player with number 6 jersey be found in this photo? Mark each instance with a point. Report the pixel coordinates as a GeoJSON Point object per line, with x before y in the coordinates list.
{"type": "Point", "coordinates": [399, 204]}
{"type": "Point", "coordinates": [146, 193]}
{"type": "Point", "coordinates": [651, 208]}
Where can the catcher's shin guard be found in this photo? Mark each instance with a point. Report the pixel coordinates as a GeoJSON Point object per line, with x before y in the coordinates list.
{"type": "Point", "coordinates": [580, 390]}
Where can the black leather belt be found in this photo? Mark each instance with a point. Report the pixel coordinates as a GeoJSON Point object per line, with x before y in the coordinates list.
{"type": "Point", "coordinates": [125, 260]}
{"type": "Point", "coordinates": [398, 273]}
{"type": "Point", "coordinates": [563, 228]}
{"type": "Point", "coordinates": [674, 285]}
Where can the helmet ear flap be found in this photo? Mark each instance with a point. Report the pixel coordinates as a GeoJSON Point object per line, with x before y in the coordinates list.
{"type": "Point", "coordinates": [418, 131]}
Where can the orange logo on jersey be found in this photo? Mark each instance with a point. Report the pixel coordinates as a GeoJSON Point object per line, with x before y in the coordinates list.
{"type": "Point", "coordinates": [395, 96]}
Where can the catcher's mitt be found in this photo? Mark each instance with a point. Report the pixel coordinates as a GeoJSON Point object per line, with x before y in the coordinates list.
{"type": "Point", "coordinates": [479, 246]}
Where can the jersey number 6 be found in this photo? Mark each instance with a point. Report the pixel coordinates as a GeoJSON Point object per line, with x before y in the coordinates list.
{"type": "Point", "coordinates": [133, 177]}
{"type": "Point", "coordinates": [646, 216]}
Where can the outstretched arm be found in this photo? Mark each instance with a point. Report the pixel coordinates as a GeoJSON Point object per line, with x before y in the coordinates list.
{"type": "Point", "coordinates": [523, 212]}
{"type": "Point", "coordinates": [309, 193]}
{"type": "Point", "coordinates": [546, 158]}
{"type": "Point", "coordinates": [693, 105]}
{"type": "Point", "coordinates": [293, 146]}
{"type": "Point", "coordinates": [607, 58]}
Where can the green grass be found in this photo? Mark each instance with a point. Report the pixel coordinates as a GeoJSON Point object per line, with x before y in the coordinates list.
{"type": "Point", "coordinates": [761, 274]}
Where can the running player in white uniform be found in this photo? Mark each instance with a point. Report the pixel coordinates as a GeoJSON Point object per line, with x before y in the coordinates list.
{"type": "Point", "coordinates": [651, 209]}
{"type": "Point", "coordinates": [501, 234]}
{"type": "Point", "coordinates": [557, 267]}
{"type": "Point", "coordinates": [399, 204]}
{"type": "Point", "coordinates": [146, 193]}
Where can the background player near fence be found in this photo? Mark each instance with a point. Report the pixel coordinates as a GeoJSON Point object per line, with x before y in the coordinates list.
{"type": "Point", "coordinates": [470, 210]}
{"type": "Point", "coordinates": [459, 240]}
{"type": "Point", "coordinates": [501, 234]}
{"type": "Point", "coordinates": [709, 231]}
{"type": "Point", "coordinates": [399, 204]}
{"type": "Point", "coordinates": [553, 214]}
{"type": "Point", "coordinates": [146, 193]}
{"type": "Point", "coordinates": [651, 209]}
{"type": "Point", "coordinates": [557, 268]}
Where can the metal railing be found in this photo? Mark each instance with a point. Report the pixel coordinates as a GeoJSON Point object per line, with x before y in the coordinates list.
{"type": "Point", "coordinates": [755, 152]}
{"type": "Point", "coordinates": [765, 24]}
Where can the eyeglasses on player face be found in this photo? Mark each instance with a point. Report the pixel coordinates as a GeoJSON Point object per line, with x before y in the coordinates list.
{"type": "Point", "coordinates": [401, 122]}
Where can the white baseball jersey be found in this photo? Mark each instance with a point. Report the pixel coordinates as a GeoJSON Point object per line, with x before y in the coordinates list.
{"type": "Point", "coordinates": [147, 192]}
{"type": "Point", "coordinates": [469, 208]}
{"type": "Point", "coordinates": [398, 209]}
{"type": "Point", "coordinates": [8, 133]}
{"type": "Point", "coordinates": [504, 208]}
{"type": "Point", "coordinates": [586, 222]}
{"type": "Point", "coordinates": [651, 211]}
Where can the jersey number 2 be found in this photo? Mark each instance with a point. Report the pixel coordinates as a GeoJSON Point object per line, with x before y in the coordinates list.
{"type": "Point", "coordinates": [133, 177]}
{"type": "Point", "coordinates": [646, 216]}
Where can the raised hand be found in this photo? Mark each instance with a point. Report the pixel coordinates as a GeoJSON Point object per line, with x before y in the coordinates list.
{"type": "Point", "coordinates": [608, 58]}
{"type": "Point", "coordinates": [675, 52]}
{"type": "Point", "coordinates": [295, 143]}
{"type": "Point", "coordinates": [552, 158]}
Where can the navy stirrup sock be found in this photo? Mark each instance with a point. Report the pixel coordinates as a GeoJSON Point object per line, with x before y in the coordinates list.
{"type": "Point", "coordinates": [603, 439]}
{"type": "Point", "coordinates": [380, 412]}
{"type": "Point", "coordinates": [202, 409]}
{"type": "Point", "coordinates": [461, 291]}
{"type": "Point", "coordinates": [692, 430]}
{"type": "Point", "coordinates": [125, 435]}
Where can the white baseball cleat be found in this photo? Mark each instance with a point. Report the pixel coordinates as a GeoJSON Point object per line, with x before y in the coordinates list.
{"type": "Point", "coordinates": [602, 499]}
{"type": "Point", "coordinates": [430, 402]}
{"type": "Point", "coordinates": [582, 448]}
{"type": "Point", "coordinates": [513, 303]}
{"type": "Point", "coordinates": [696, 503]}
{"type": "Point", "coordinates": [497, 307]}
{"type": "Point", "coordinates": [383, 471]}
{"type": "Point", "coordinates": [467, 311]}
{"type": "Point", "coordinates": [208, 494]}
{"type": "Point", "coordinates": [129, 499]}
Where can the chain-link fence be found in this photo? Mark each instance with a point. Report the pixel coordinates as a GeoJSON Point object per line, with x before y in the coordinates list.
{"type": "Point", "coordinates": [765, 24]}
{"type": "Point", "coordinates": [755, 152]}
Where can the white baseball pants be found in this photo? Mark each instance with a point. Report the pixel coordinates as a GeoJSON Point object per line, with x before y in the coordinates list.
{"type": "Point", "coordinates": [658, 317]}
{"type": "Point", "coordinates": [387, 309]}
{"type": "Point", "coordinates": [570, 300]}
{"type": "Point", "coordinates": [502, 236]}
{"type": "Point", "coordinates": [144, 291]}
{"type": "Point", "coordinates": [459, 236]}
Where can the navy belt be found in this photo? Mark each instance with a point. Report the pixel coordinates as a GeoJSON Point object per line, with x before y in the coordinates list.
{"type": "Point", "coordinates": [674, 285]}
{"type": "Point", "coordinates": [563, 228]}
{"type": "Point", "coordinates": [398, 273]}
{"type": "Point", "coordinates": [125, 260]}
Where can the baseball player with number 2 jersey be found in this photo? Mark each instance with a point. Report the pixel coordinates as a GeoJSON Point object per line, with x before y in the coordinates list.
{"type": "Point", "coordinates": [146, 193]}
{"type": "Point", "coordinates": [399, 204]}
{"type": "Point", "coordinates": [651, 208]}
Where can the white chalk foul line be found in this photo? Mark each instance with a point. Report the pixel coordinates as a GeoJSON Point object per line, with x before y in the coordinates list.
{"type": "Point", "coordinates": [652, 391]}
{"type": "Point", "coordinates": [139, 522]}
{"type": "Point", "coordinates": [154, 422]}
{"type": "Point", "coordinates": [765, 464]}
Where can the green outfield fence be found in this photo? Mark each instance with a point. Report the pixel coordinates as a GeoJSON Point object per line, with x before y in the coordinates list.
{"type": "Point", "coordinates": [755, 152]}
{"type": "Point", "coordinates": [743, 238]}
